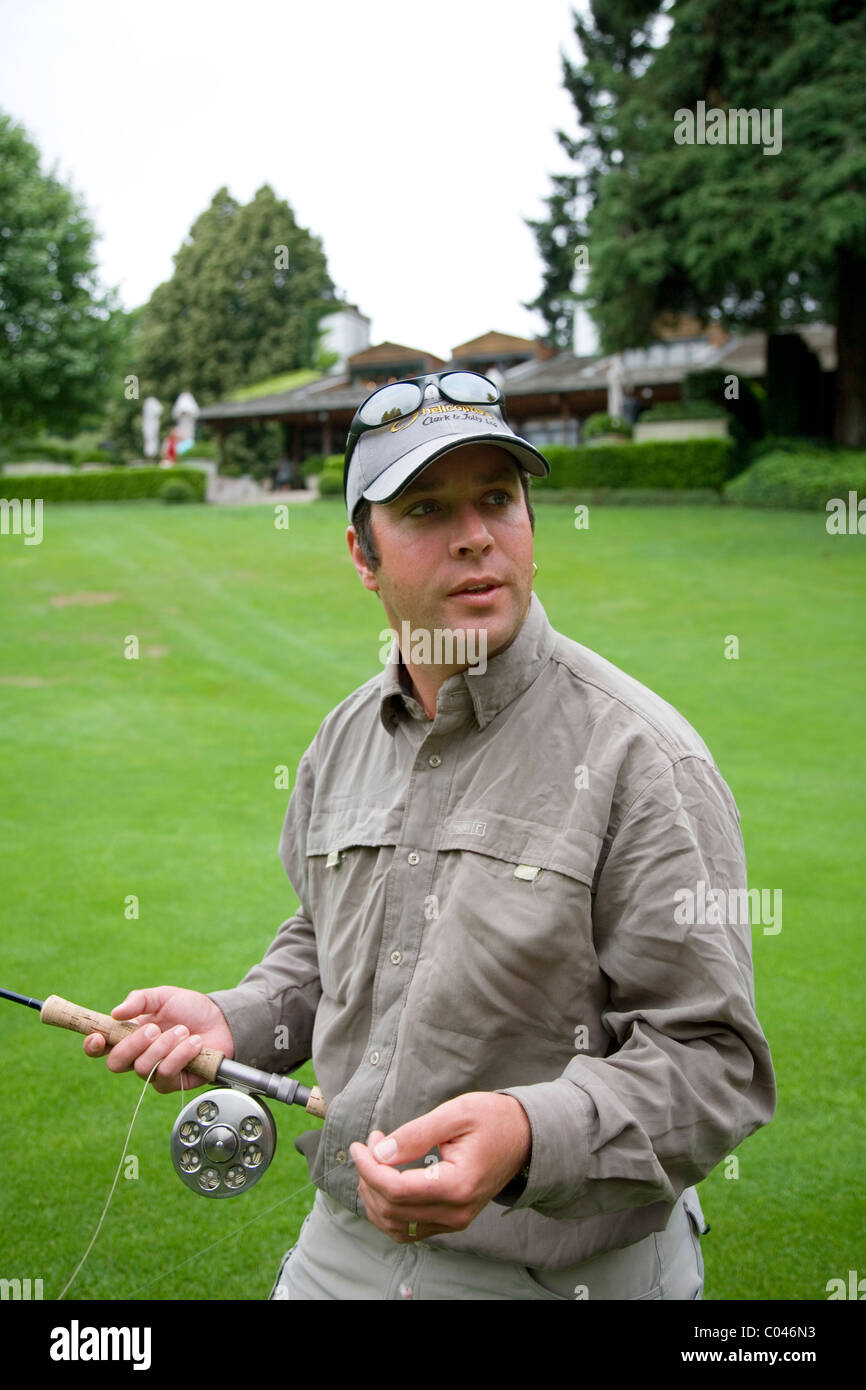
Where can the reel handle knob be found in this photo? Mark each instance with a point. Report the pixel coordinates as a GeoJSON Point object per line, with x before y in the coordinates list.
{"type": "Point", "coordinates": [62, 1014]}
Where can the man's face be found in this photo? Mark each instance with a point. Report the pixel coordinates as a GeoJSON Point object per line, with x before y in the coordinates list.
{"type": "Point", "coordinates": [462, 519]}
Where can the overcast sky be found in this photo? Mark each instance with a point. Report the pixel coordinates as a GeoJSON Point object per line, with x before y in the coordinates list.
{"type": "Point", "coordinates": [413, 139]}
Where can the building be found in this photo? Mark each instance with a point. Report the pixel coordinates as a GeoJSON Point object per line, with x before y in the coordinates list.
{"type": "Point", "coordinates": [548, 394]}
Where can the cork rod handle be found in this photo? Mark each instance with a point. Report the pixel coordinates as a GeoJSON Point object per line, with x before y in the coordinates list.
{"type": "Point", "coordinates": [61, 1014]}
{"type": "Point", "coordinates": [316, 1104]}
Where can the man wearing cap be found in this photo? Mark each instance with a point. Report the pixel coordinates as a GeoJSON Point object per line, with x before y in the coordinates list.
{"type": "Point", "coordinates": [529, 1057]}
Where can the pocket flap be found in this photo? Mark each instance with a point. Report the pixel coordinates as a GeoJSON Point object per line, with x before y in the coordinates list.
{"type": "Point", "coordinates": [341, 827]}
{"type": "Point", "coordinates": [571, 850]}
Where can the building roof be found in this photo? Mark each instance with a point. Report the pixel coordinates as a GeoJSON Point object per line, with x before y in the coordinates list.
{"type": "Point", "coordinates": [494, 344]}
{"type": "Point", "coordinates": [389, 352]}
{"type": "Point", "coordinates": [660, 364]}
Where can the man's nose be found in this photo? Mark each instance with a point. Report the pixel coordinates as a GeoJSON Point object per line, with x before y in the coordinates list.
{"type": "Point", "coordinates": [470, 528]}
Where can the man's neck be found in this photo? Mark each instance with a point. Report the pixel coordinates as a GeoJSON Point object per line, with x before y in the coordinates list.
{"type": "Point", "coordinates": [423, 683]}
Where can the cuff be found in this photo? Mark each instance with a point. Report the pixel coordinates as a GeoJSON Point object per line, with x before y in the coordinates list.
{"type": "Point", "coordinates": [560, 1116]}
{"type": "Point", "coordinates": [250, 1019]}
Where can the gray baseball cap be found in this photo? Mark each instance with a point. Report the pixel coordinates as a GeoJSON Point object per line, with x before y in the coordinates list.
{"type": "Point", "coordinates": [386, 459]}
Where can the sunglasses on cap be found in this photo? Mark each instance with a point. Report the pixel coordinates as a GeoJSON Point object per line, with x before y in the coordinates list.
{"type": "Point", "coordinates": [400, 399]}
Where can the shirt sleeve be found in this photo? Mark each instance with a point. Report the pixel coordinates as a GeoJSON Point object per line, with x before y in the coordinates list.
{"type": "Point", "coordinates": [272, 1011]}
{"type": "Point", "coordinates": [688, 1074]}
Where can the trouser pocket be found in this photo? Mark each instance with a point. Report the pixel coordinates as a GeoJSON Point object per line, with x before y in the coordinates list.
{"type": "Point", "coordinates": [280, 1288]}
{"type": "Point", "coordinates": [697, 1226]}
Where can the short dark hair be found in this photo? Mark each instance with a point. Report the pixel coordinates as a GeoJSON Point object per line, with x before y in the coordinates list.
{"type": "Point", "coordinates": [363, 522]}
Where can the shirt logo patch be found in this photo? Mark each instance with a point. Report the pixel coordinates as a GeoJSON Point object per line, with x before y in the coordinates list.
{"type": "Point", "coordinates": [469, 827]}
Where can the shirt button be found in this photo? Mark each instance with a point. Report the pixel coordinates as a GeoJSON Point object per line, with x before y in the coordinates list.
{"type": "Point", "coordinates": [414, 857]}
{"type": "Point", "coordinates": [435, 760]}
{"type": "Point", "coordinates": [396, 957]}
{"type": "Point", "coordinates": [374, 1057]}
{"type": "Point", "coordinates": [341, 1156]}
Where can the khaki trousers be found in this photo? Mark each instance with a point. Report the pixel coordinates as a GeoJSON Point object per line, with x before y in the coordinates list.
{"type": "Point", "coordinates": [344, 1257]}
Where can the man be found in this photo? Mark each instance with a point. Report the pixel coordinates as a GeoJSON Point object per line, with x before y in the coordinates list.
{"type": "Point", "coordinates": [487, 964]}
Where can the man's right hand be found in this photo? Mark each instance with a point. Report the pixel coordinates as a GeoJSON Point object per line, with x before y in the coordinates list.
{"type": "Point", "coordinates": [175, 1024]}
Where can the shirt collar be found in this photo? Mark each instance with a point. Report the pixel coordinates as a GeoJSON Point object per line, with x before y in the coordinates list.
{"type": "Point", "coordinates": [507, 675]}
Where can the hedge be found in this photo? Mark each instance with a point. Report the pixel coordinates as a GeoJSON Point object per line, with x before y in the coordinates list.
{"type": "Point", "coordinates": [675, 463]}
{"type": "Point", "coordinates": [683, 410]}
{"type": "Point", "coordinates": [331, 476]}
{"type": "Point", "coordinates": [804, 481]}
{"type": "Point", "coordinates": [629, 497]}
{"type": "Point", "coordinates": [113, 485]}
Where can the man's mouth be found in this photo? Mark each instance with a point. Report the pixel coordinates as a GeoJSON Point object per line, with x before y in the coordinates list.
{"type": "Point", "coordinates": [478, 595]}
{"type": "Point", "coordinates": [480, 587]}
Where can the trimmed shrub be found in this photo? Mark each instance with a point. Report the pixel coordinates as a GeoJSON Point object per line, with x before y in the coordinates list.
{"type": "Point", "coordinates": [331, 477]}
{"type": "Point", "coordinates": [203, 449]}
{"type": "Point", "coordinates": [803, 480]}
{"type": "Point", "coordinates": [788, 444]}
{"type": "Point", "coordinates": [673, 464]}
{"type": "Point", "coordinates": [114, 485]}
{"type": "Point", "coordinates": [600, 423]}
{"type": "Point", "coordinates": [177, 491]}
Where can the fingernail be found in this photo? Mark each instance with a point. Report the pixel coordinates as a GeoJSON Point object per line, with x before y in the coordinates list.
{"type": "Point", "coordinates": [181, 1031]}
{"type": "Point", "coordinates": [151, 1031]}
{"type": "Point", "coordinates": [386, 1150]}
{"type": "Point", "coordinates": [194, 1038]}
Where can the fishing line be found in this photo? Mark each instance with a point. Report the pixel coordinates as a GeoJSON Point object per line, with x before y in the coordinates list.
{"type": "Point", "coordinates": [232, 1233]}
{"type": "Point", "coordinates": [60, 1296]}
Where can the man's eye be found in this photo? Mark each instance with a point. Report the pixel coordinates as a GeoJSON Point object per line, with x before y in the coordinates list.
{"type": "Point", "coordinates": [503, 500]}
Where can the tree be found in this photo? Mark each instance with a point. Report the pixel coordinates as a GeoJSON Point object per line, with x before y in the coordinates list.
{"type": "Point", "coordinates": [59, 333]}
{"type": "Point", "coordinates": [615, 42]}
{"type": "Point", "coordinates": [244, 302]}
{"type": "Point", "coordinates": [722, 230]}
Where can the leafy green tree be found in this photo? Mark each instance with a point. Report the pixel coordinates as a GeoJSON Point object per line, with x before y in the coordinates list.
{"type": "Point", "coordinates": [244, 302]}
{"type": "Point", "coordinates": [615, 41]}
{"type": "Point", "coordinates": [60, 334]}
{"type": "Point", "coordinates": [725, 231]}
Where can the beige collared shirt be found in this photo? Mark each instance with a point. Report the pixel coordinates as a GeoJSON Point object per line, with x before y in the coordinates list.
{"type": "Point", "coordinates": [497, 899]}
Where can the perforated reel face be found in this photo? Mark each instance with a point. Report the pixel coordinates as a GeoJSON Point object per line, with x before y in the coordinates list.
{"type": "Point", "coordinates": [222, 1142]}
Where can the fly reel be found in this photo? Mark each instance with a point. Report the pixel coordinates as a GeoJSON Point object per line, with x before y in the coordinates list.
{"type": "Point", "coordinates": [222, 1142]}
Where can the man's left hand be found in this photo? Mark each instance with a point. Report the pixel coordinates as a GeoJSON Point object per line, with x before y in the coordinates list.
{"type": "Point", "coordinates": [484, 1138]}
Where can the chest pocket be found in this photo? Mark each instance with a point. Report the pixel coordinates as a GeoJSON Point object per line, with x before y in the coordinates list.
{"type": "Point", "coordinates": [349, 851]}
{"type": "Point", "coordinates": [511, 952]}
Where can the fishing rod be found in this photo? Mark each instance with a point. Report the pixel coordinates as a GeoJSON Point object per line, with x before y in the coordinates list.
{"type": "Point", "coordinates": [221, 1142]}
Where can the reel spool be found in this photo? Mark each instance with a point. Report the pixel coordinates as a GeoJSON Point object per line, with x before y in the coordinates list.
{"type": "Point", "coordinates": [222, 1142]}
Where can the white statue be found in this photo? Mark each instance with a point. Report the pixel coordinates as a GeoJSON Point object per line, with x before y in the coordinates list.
{"type": "Point", "coordinates": [185, 411]}
{"type": "Point", "coordinates": [151, 410]}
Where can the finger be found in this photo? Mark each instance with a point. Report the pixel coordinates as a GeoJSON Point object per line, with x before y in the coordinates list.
{"type": "Point", "coordinates": [141, 1001]}
{"type": "Point", "coordinates": [412, 1188]}
{"type": "Point", "coordinates": [449, 1216]}
{"type": "Point", "coordinates": [94, 1045]}
{"type": "Point", "coordinates": [396, 1225]}
{"type": "Point", "coordinates": [160, 1049]}
{"type": "Point", "coordinates": [419, 1137]}
{"type": "Point", "coordinates": [125, 1054]}
{"type": "Point", "coordinates": [186, 1049]}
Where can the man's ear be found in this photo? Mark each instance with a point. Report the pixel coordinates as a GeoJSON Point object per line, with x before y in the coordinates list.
{"type": "Point", "coordinates": [368, 578]}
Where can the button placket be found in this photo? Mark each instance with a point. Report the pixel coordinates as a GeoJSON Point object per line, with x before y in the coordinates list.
{"type": "Point", "coordinates": [402, 933]}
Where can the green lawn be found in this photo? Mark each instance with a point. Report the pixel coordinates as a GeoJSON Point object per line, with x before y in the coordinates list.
{"type": "Point", "coordinates": [155, 777]}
